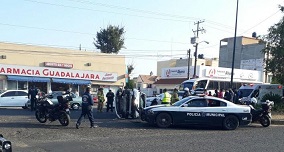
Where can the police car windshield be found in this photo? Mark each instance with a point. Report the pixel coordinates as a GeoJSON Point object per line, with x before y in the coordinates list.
{"type": "Point", "coordinates": [178, 103]}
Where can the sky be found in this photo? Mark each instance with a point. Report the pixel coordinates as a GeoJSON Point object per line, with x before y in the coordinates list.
{"type": "Point", "coordinates": [154, 30]}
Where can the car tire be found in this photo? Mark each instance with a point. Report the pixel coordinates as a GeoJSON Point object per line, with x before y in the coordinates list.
{"type": "Point", "coordinates": [231, 122]}
{"type": "Point", "coordinates": [75, 106]}
{"type": "Point", "coordinates": [164, 120]}
{"type": "Point", "coordinates": [265, 121]}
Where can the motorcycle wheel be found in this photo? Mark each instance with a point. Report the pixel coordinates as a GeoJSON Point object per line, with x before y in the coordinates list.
{"type": "Point", "coordinates": [40, 116]}
{"type": "Point", "coordinates": [265, 121]}
{"type": "Point", "coordinates": [64, 119]}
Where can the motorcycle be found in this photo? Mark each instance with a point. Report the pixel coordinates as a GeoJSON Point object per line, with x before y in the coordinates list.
{"type": "Point", "coordinates": [46, 110]}
{"type": "Point", "coordinates": [263, 115]}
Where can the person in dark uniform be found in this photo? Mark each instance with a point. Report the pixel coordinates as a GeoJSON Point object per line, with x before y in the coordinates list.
{"type": "Point", "coordinates": [110, 98]}
{"type": "Point", "coordinates": [118, 100]}
{"type": "Point", "coordinates": [32, 96]}
{"type": "Point", "coordinates": [87, 108]}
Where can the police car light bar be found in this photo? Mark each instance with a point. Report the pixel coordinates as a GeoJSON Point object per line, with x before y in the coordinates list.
{"type": "Point", "coordinates": [5, 145]}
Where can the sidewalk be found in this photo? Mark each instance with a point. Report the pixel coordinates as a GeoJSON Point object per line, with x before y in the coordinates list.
{"type": "Point", "coordinates": [277, 119]}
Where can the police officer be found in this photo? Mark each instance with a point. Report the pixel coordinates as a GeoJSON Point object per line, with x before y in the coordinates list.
{"type": "Point", "coordinates": [166, 97]}
{"type": "Point", "coordinates": [87, 108]}
{"type": "Point", "coordinates": [110, 98]}
{"type": "Point", "coordinates": [32, 96]}
{"type": "Point", "coordinates": [101, 100]}
{"type": "Point", "coordinates": [118, 100]}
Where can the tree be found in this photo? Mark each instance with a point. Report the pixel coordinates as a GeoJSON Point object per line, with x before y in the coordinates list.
{"type": "Point", "coordinates": [110, 40]}
{"type": "Point", "coordinates": [130, 84]}
{"type": "Point", "coordinates": [275, 49]}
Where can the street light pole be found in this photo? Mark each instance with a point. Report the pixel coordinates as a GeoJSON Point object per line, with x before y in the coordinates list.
{"type": "Point", "coordinates": [188, 63]}
{"type": "Point", "coordinates": [195, 60]}
{"type": "Point", "coordinates": [234, 49]}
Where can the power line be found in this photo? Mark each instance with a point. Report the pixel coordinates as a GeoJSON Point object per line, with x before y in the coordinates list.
{"type": "Point", "coordinates": [261, 22]}
{"type": "Point", "coordinates": [75, 32]}
{"type": "Point", "coordinates": [88, 9]}
{"type": "Point", "coordinates": [186, 18]}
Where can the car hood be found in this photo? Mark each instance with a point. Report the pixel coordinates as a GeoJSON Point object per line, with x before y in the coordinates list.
{"type": "Point", "coordinates": [155, 106]}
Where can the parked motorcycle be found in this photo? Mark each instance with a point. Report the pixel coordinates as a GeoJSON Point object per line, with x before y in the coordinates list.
{"type": "Point", "coordinates": [263, 115]}
{"type": "Point", "coordinates": [47, 110]}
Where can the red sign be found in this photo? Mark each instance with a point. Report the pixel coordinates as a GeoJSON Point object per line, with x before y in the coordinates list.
{"type": "Point", "coordinates": [58, 65]}
{"type": "Point", "coordinates": [56, 73]}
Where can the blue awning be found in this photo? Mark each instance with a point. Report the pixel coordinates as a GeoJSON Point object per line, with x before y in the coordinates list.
{"type": "Point", "coordinates": [71, 81]}
{"type": "Point", "coordinates": [30, 79]}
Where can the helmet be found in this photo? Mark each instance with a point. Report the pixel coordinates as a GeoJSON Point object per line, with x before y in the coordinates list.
{"type": "Point", "coordinates": [253, 100]}
{"type": "Point", "coordinates": [186, 89]}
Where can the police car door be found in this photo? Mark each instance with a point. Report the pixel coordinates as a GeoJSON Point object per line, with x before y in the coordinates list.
{"type": "Point", "coordinates": [216, 112]}
{"type": "Point", "coordinates": [193, 111]}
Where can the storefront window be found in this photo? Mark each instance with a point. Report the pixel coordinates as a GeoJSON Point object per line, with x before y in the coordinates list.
{"type": "Point", "coordinates": [1, 86]}
{"type": "Point", "coordinates": [12, 85]}
{"type": "Point", "coordinates": [42, 86]}
{"type": "Point", "coordinates": [22, 85]}
{"type": "Point", "coordinates": [59, 86]}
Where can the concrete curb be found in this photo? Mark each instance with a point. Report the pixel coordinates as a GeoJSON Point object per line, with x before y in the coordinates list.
{"type": "Point", "coordinates": [277, 122]}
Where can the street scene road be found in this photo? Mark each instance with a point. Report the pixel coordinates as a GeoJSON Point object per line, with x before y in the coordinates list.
{"type": "Point", "coordinates": [28, 135]}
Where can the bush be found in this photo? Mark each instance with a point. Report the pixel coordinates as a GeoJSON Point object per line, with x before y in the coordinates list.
{"type": "Point", "coordinates": [277, 99]}
{"type": "Point", "coordinates": [272, 97]}
{"type": "Point", "coordinates": [278, 107]}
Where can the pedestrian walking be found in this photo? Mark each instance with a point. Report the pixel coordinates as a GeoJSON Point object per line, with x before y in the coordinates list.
{"type": "Point", "coordinates": [32, 96]}
{"type": "Point", "coordinates": [209, 93]}
{"type": "Point", "coordinates": [87, 108]}
{"type": "Point", "coordinates": [101, 99]}
{"type": "Point", "coordinates": [216, 93]}
{"type": "Point", "coordinates": [221, 94]}
{"type": "Point", "coordinates": [110, 98]}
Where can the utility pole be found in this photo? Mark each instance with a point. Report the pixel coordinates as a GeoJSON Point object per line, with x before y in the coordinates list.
{"type": "Point", "coordinates": [196, 45]}
{"type": "Point", "coordinates": [234, 49]}
{"type": "Point", "coordinates": [188, 63]}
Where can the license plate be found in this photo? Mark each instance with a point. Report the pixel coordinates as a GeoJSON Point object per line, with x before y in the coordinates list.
{"type": "Point", "coordinates": [67, 110]}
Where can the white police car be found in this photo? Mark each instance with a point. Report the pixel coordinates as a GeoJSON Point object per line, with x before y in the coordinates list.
{"type": "Point", "coordinates": [198, 110]}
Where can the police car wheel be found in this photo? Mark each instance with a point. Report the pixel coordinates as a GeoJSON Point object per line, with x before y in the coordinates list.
{"type": "Point", "coordinates": [265, 121]}
{"type": "Point", "coordinates": [230, 122]}
{"type": "Point", "coordinates": [164, 120]}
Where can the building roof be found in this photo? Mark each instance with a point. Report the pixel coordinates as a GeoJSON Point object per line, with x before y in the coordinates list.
{"type": "Point", "coordinates": [148, 79]}
{"type": "Point", "coordinates": [171, 81]}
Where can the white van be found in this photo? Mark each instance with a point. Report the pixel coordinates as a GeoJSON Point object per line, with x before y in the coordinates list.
{"type": "Point", "coordinates": [246, 92]}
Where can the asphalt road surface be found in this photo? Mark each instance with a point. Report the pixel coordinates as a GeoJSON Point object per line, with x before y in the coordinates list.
{"type": "Point", "coordinates": [129, 135]}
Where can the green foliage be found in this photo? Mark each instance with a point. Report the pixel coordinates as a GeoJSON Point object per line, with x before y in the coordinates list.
{"type": "Point", "coordinates": [130, 68]}
{"type": "Point", "coordinates": [130, 84]}
{"type": "Point", "coordinates": [278, 102]}
{"type": "Point", "coordinates": [278, 107]}
{"type": "Point", "coordinates": [110, 40]}
{"type": "Point", "coordinates": [272, 97]}
{"type": "Point", "coordinates": [275, 49]}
